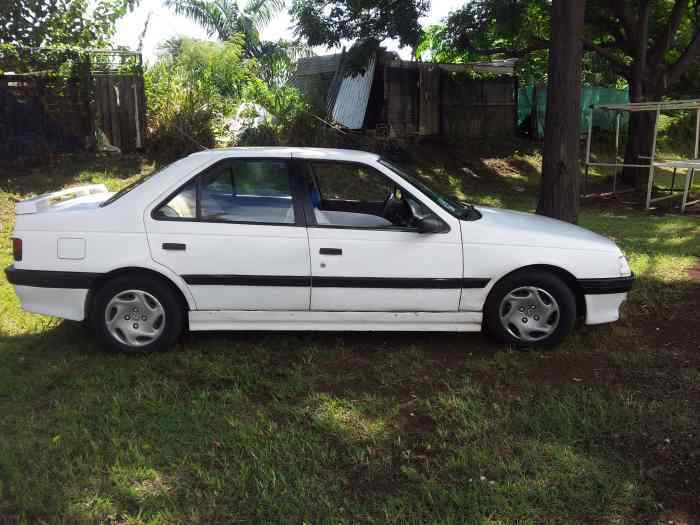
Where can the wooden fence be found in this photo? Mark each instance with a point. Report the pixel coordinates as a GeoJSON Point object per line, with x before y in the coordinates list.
{"type": "Point", "coordinates": [40, 115]}
{"type": "Point", "coordinates": [428, 100]}
{"type": "Point", "coordinates": [120, 110]}
{"type": "Point", "coordinates": [43, 112]}
{"type": "Point", "coordinates": [477, 108]}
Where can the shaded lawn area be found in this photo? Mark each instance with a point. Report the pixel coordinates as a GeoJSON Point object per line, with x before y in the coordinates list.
{"type": "Point", "coordinates": [363, 428]}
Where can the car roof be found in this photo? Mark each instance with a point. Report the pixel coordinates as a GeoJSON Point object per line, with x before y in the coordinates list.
{"type": "Point", "coordinates": [303, 153]}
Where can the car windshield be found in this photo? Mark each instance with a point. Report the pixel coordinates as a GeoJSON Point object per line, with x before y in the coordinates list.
{"type": "Point", "coordinates": [126, 189]}
{"type": "Point", "coordinates": [449, 204]}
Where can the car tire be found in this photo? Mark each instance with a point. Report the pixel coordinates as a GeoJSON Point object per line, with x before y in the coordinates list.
{"type": "Point", "coordinates": [137, 314]}
{"type": "Point", "coordinates": [530, 308]}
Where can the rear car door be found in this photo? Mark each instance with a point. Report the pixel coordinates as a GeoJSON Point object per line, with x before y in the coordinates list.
{"type": "Point", "coordinates": [236, 235]}
{"type": "Point", "coordinates": [365, 255]}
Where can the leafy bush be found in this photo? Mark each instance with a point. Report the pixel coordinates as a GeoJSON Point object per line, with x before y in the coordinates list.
{"type": "Point", "coordinates": [190, 91]}
{"type": "Point", "coordinates": [677, 133]}
{"type": "Point", "coordinates": [195, 91]}
{"type": "Point", "coordinates": [290, 122]}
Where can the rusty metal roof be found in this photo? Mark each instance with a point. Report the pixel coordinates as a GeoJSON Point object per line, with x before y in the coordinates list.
{"type": "Point", "coordinates": [317, 65]}
{"type": "Point", "coordinates": [353, 96]}
{"type": "Point", "coordinates": [347, 97]}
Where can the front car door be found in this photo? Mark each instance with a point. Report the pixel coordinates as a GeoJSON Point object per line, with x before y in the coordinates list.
{"type": "Point", "coordinates": [366, 255]}
{"type": "Point", "coordinates": [235, 233]}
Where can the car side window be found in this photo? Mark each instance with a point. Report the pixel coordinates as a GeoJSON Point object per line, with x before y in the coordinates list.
{"type": "Point", "coordinates": [354, 195]}
{"type": "Point", "coordinates": [182, 206]}
{"type": "Point", "coordinates": [350, 182]}
{"type": "Point", "coordinates": [251, 191]}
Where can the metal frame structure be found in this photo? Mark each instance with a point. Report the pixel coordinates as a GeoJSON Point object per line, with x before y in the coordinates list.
{"type": "Point", "coordinates": [687, 165]}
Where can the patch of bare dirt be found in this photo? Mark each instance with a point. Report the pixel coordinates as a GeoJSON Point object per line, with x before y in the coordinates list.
{"type": "Point", "coordinates": [557, 369]}
{"type": "Point", "coordinates": [679, 332]}
{"type": "Point", "coordinates": [412, 422]}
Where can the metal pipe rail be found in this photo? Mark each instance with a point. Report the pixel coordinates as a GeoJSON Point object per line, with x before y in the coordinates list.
{"type": "Point", "coordinates": [689, 165]}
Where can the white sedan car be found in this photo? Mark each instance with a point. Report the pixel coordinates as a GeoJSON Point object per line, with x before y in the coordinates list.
{"type": "Point", "coordinates": [304, 239]}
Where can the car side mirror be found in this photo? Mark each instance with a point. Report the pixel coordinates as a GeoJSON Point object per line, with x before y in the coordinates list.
{"type": "Point", "coordinates": [430, 224]}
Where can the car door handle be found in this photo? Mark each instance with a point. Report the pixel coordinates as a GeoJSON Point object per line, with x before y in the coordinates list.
{"type": "Point", "coordinates": [330, 251]}
{"type": "Point", "coordinates": [176, 246]}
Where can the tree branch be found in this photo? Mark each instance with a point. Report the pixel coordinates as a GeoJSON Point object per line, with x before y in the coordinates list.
{"type": "Point", "coordinates": [613, 26]}
{"type": "Point", "coordinates": [663, 43]}
{"type": "Point", "coordinates": [511, 52]}
{"type": "Point", "coordinates": [640, 64]}
{"type": "Point", "coordinates": [615, 61]}
{"type": "Point", "coordinates": [622, 42]}
{"type": "Point", "coordinates": [624, 13]}
{"type": "Point", "coordinates": [675, 71]}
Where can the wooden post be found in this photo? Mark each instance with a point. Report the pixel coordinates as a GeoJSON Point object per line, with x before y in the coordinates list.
{"type": "Point", "coordinates": [697, 133]}
{"type": "Point", "coordinates": [588, 150]}
{"type": "Point", "coordinates": [534, 114]}
{"type": "Point", "coordinates": [650, 182]}
{"type": "Point", "coordinates": [617, 147]}
{"type": "Point", "coordinates": [137, 117]}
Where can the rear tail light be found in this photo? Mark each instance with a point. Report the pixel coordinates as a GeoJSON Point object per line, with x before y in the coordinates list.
{"type": "Point", "coordinates": [17, 249]}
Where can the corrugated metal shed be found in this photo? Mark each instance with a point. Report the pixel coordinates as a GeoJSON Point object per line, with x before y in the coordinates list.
{"type": "Point", "coordinates": [498, 67]}
{"type": "Point", "coordinates": [328, 64]}
{"type": "Point", "coordinates": [353, 95]}
{"type": "Point", "coordinates": [317, 65]}
{"type": "Point", "coordinates": [407, 98]}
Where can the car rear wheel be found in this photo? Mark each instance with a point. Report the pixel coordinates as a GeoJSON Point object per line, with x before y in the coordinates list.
{"type": "Point", "coordinates": [530, 309]}
{"type": "Point", "coordinates": [137, 314]}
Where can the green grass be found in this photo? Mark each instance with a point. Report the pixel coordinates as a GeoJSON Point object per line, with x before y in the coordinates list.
{"type": "Point", "coordinates": [357, 428]}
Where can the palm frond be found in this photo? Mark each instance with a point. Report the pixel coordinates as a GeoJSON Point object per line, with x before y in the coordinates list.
{"type": "Point", "coordinates": [261, 12]}
{"type": "Point", "coordinates": [225, 18]}
{"type": "Point", "coordinates": [217, 17]}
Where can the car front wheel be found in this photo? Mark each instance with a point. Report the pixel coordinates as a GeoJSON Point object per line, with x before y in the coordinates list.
{"type": "Point", "coordinates": [530, 309]}
{"type": "Point", "coordinates": [137, 314]}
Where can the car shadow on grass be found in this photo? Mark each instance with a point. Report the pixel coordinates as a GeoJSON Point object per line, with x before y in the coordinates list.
{"type": "Point", "coordinates": [443, 425]}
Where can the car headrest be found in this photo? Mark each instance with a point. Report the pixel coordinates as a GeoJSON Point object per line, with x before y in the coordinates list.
{"type": "Point", "coordinates": [315, 196]}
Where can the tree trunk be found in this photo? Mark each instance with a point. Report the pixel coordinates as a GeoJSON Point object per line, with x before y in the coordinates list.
{"type": "Point", "coordinates": [559, 188]}
{"type": "Point", "coordinates": [640, 134]}
{"type": "Point", "coordinates": [638, 149]}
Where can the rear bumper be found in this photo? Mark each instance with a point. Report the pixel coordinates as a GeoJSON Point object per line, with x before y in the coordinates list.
{"type": "Point", "coordinates": [50, 279]}
{"type": "Point", "coordinates": [604, 297]}
{"type": "Point", "coordinates": [59, 294]}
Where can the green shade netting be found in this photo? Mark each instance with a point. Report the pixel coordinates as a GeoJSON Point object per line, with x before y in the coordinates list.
{"type": "Point", "coordinates": [590, 96]}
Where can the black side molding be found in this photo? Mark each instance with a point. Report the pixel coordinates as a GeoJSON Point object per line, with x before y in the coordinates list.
{"type": "Point", "coordinates": [398, 282]}
{"type": "Point", "coordinates": [335, 282]}
{"type": "Point", "coordinates": [248, 280]}
{"type": "Point", "coordinates": [85, 280]}
{"type": "Point", "coordinates": [607, 285]}
{"type": "Point", "coordinates": [474, 282]}
{"type": "Point", "coordinates": [51, 279]}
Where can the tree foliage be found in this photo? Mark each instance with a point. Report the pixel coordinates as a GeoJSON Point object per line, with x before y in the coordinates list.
{"type": "Point", "coordinates": [224, 19]}
{"type": "Point", "coordinates": [196, 88]}
{"type": "Point", "coordinates": [649, 44]}
{"type": "Point", "coordinates": [190, 90]}
{"type": "Point", "coordinates": [43, 23]}
{"type": "Point", "coordinates": [365, 22]}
